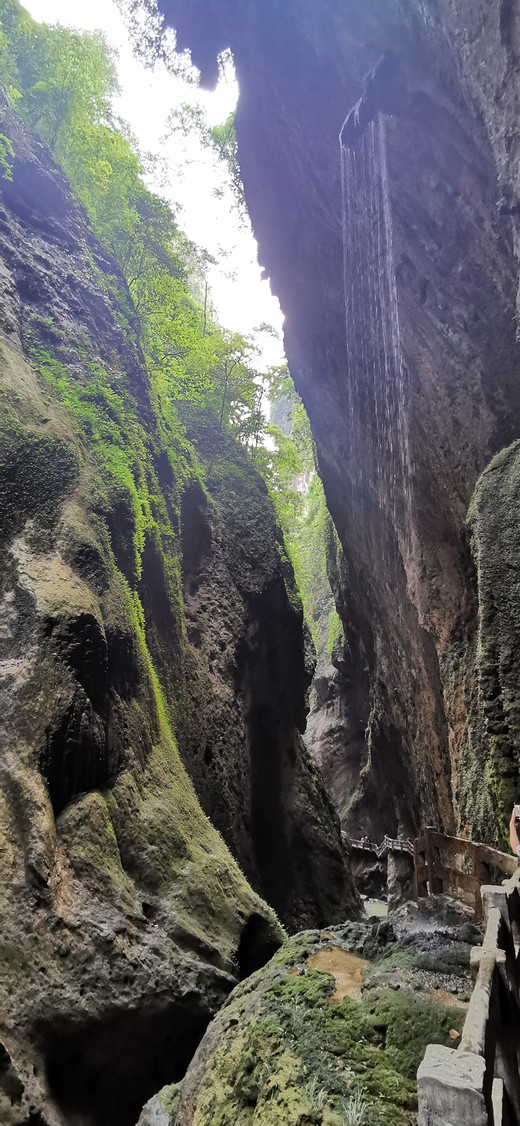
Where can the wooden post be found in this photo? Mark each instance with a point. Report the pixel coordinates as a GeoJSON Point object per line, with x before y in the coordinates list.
{"type": "Point", "coordinates": [435, 886]}
{"type": "Point", "coordinates": [480, 875]}
{"type": "Point", "coordinates": [450, 1086]}
{"type": "Point", "coordinates": [480, 1082]}
{"type": "Point", "coordinates": [478, 904]}
{"type": "Point", "coordinates": [420, 874]}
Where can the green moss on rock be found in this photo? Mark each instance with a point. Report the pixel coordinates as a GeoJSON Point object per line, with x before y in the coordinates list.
{"type": "Point", "coordinates": [283, 1050]}
{"type": "Point", "coordinates": [86, 831]}
{"type": "Point", "coordinates": [168, 1099]}
{"type": "Point", "coordinates": [495, 714]}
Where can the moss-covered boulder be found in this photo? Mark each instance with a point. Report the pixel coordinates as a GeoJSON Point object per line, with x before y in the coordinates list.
{"type": "Point", "coordinates": [300, 1042]}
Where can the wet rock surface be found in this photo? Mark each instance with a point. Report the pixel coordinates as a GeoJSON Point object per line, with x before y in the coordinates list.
{"type": "Point", "coordinates": [121, 909]}
{"type": "Point", "coordinates": [125, 925]}
{"type": "Point", "coordinates": [492, 661]}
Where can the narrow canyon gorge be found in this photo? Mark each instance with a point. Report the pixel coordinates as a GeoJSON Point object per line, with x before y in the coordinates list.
{"type": "Point", "coordinates": [182, 766]}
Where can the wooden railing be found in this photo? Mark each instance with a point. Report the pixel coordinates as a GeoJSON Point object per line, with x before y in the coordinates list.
{"type": "Point", "coordinates": [478, 1084]}
{"type": "Point", "coordinates": [452, 865]}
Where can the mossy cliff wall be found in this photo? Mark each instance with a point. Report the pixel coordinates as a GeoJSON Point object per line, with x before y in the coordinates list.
{"type": "Point", "coordinates": [125, 920]}
{"type": "Point", "coordinates": [243, 704]}
{"type": "Point", "coordinates": [493, 659]}
{"type": "Point", "coordinates": [406, 589]}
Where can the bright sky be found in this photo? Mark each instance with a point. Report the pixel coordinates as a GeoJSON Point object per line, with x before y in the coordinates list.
{"type": "Point", "coordinates": [195, 180]}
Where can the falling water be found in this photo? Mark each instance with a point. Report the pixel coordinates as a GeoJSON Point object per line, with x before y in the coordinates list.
{"type": "Point", "coordinates": [376, 371]}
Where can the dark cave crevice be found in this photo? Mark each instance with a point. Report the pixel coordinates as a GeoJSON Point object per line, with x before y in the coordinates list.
{"type": "Point", "coordinates": [268, 817]}
{"type": "Point", "coordinates": [258, 943]}
{"type": "Point", "coordinates": [76, 758]}
{"type": "Point", "coordinates": [102, 1072]}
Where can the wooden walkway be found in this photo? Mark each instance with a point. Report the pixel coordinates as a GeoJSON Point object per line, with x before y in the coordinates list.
{"type": "Point", "coordinates": [387, 845]}
{"type": "Point", "coordinates": [478, 1084]}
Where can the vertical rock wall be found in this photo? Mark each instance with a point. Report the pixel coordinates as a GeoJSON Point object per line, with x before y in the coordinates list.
{"type": "Point", "coordinates": [407, 593]}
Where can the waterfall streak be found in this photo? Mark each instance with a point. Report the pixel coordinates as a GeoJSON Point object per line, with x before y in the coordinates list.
{"type": "Point", "coordinates": [376, 373]}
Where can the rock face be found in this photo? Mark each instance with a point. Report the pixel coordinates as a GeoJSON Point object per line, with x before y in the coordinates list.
{"type": "Point", "coordinates": [492, 661]}
{"type": "Point", "coordinates": [334, 735]}
{"type": "Point", "coordinates": [125, 920]}
{"type": "Point", "coordinates": [244, 701]}
{"type": "Point", "coordinates": [431, 160]}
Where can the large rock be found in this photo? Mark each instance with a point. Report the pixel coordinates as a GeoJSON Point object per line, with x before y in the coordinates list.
{"type": "Point", "coordinates": [321, 1035]}
{"type": "Point", "coordinates": [125, 920]}
{"type": "Point", "coordinates": [399, 453]}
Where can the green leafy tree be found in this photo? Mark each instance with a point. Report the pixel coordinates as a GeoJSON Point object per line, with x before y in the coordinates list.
{"type": "Point", "coordinates": [206, 381]}
{"type": "Point", "coordinates": [6, 156]}
{"type": "Point", "coordinates": [65, 82]}
{"type": "Point", "coordinates": [154, 43]}
{"type": "Point", "coordinates": [288, 465]}
{"type": "Point", "coordinates": [224, 139]}
{"type": "Point", "coordinates": [65, 79]}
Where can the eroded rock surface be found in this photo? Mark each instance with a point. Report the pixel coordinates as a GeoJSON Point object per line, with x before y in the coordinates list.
{"type": "Point", "coordinates": [491, 659]}
{"type": "Point", "coordinates": [125, 920]}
